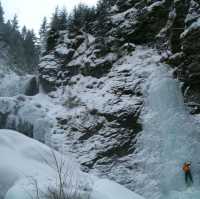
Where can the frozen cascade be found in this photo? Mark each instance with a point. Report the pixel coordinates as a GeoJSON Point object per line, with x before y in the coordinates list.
{"type": "Point", "coordinates": [20, 107]}
{"type": "Point", "coordinates": [12, 84]}
{"type": "Point", "coordinates": [170, 137]}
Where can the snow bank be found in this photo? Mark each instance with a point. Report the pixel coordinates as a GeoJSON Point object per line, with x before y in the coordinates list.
{"type": "Point", "coordinates": [26, 163]}
{"type": "Point", "coordinates": [106, 189]}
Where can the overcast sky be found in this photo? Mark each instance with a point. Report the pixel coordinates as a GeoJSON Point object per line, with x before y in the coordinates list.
{"type": "Point", "coordinates": [31, 12]}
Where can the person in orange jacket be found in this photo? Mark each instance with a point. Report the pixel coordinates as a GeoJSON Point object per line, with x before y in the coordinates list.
{"type": "Point", "coordinates": [187, 171]}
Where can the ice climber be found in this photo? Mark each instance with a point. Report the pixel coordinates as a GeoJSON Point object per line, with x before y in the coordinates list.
{"type": "Point", "coordinates": [187, 171]}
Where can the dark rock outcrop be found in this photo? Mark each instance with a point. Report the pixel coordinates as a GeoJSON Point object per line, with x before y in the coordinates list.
{"type": "Point", "coordinates": [149, 23]}
{"type": "Point", "coordinates": [32, 87]}
{"type": "Point", "coordinates": [178, 24]}
{"type": "Point", "coordinates": [182, 35]}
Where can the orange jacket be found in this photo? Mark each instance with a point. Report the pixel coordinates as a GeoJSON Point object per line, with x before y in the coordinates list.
{"type": "Point", "coordinates": [186, 168]}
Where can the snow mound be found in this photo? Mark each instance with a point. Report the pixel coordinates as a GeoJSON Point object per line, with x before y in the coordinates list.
{"type": "Point", "coordinates": [106, 189]}
{"type": "Point", "coordinates": [28, 164]}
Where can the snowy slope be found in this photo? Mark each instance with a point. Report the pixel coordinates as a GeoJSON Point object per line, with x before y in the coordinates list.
{"type": "Point", "coordinates": [110, 190]}
{"type": "Point", "coordinates": [27, 162]}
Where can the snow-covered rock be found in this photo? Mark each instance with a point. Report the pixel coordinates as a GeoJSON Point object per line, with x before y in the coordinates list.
{"type": "Point", "coordinates": [193, 13]}
{"type": "Point", "coordinates": [101, 119]}
{"type": "Point", "coordinates": [26, 162]}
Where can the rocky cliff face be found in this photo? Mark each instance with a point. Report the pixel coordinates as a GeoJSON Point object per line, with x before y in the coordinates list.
{"type": "Point", "coordinates": [129, 22]}
{"type": "Point", "coordinates": [99, 79]}
{"type": "Point", "coordinates": [184, 45]}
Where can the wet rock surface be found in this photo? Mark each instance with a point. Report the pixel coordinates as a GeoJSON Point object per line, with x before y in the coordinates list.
{"type": "Point", "coordinates": [32, 87]}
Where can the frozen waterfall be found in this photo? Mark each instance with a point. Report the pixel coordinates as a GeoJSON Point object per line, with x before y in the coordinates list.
{"type": "Point", "coordinates": [12, 84]}
{"type": "Point", "coordinates": [170, 137]}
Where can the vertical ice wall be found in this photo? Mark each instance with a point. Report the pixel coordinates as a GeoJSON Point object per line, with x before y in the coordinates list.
{"type": "Point", "coordinates": [170, 137]}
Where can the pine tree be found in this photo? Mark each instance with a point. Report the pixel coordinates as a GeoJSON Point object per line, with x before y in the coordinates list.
{"type": "Point", "coordinates": [31, 53]}
{"type": "Point", "coordinates": [24, 32]}
{"type": "Point", "coordinates": [102, 17]}
{"type": "Point", "coordinates": [7, 31]}
{"type": "Point", "coordinates": [43, 28]}
{"type": "Point", "coordinates": [14, 23]}
{"type": "Point", "coordinates": [43, 36]}
{"type": "Point", "coordinates": [2, 25]}
{"type": "Point", "coordinates": [53, 33]}
{"type": "Point", "coordinates": [63, 19]}
{"type": "Point", "coordinates": [54, 21]}
{"type": "Point", "coordinates": [1, 14]}
{"type": "Point", "coordinates": [81, 18]}
{"type": "Point", "coordinates": [90, 17]}
{"type": "Point", "coordinates": [23, 54]}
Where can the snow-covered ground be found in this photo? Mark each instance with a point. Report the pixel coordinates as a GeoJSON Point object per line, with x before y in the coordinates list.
{"type": "Point", "coordinates": [28, 166]}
